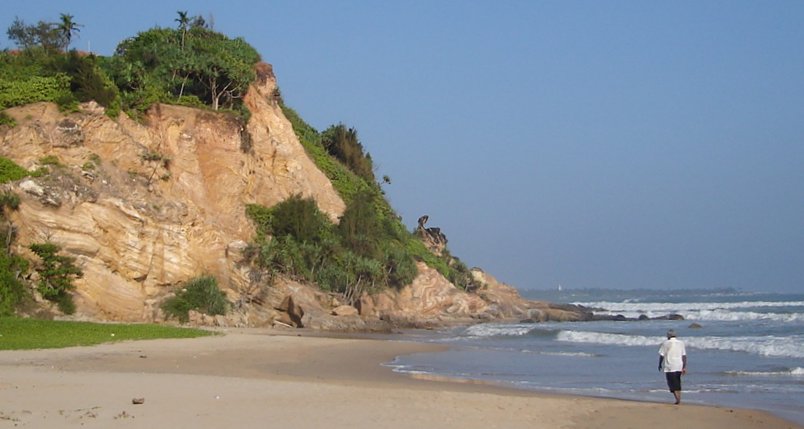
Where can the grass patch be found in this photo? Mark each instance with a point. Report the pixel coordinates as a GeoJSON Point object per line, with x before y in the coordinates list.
{"type": "Point", "coordinates": [28, 334]}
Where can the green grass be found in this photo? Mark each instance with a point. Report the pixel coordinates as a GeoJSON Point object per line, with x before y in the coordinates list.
{"type": "Point", "coordinates": [27, 334]}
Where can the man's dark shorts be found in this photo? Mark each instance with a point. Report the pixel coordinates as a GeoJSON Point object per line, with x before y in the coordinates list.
{"type": "Point", "coordinates": [673, 380]}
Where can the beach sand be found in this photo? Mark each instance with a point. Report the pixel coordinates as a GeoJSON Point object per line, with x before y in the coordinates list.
{"type": "Point", "coordinates": [256, 378]}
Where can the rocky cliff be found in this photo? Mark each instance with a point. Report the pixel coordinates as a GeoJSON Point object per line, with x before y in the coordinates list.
{"type": "Point", "coordinates": [145, 206]}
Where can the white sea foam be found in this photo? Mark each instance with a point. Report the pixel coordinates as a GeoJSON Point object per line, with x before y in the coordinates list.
{"type": "Point", "coordinates": [494, 330]}
{"type": "Point", "coordinates": [711, 315]}
{"type": "Point", "coordinates": [764, 346]}
{"type": "Point", "coordinates": [568, 354]}
{"type": "Point", "coordinates": [795, 372]}
{"type": "Point", "coordinates": [702, 311]}
{"type": "Point", "coordinates": [665, 306]}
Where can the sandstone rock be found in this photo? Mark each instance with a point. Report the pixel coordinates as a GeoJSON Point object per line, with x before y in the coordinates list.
{"type": "Point", "coordinates": [140, 225]}
{"type": "Point", "coordinates": [294, 311]}
{"type": "Point", "coordinates": [344, 310]}
{"type": "Point", "coordinates": [433, 238]}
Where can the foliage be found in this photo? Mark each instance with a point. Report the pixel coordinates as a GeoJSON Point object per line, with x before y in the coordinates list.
{"type": "Point", "coordinates": [343, 144]}
{"type": "Point", "coordinates": [7, 120]}
{"type": "Point", "coordinates": [201, 294]}
{"type": "Point", "coordinates": [50, 160]}
{"type": "Point", "coordinates": [56, 275]}
{"type": "Point", "coordinates": [192, 65]}
{"type": "Point", "coordinates": [27, 334]}
{"type": "Point", "coordinates": [360, 254]}
{"type": "Point", "coordinates": [165, 65]}
{"type": "Point", "coordinates": [298, 218]}
{"type": "Point", "coordinates": [49, 36]}
{"type": "Point", "coordinates": [44, 35]}
{"type": "Point", "coordinates": [360, 227]}
{"type": "Point", "coordinates": [33, 89]}
{"type": "Point", "coordinates": [88, 81]}
{"type": "Point", "coordinates": [388, 241]}
{"type": "Point", "coordinates": [10, 171]}
{"type": "Point", "coordinates": [12, 289]}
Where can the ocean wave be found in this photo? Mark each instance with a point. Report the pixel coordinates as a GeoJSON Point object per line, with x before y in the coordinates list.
{"type": "Point", "coordinates": [508, 330]}
{"type": "Point", "coordinates": [569, 354]}
{"type": "Point", "coordinates": [662, 306]}
{"type": "Point", "coordinates": [795, 372]}
{"type": "Point", "coordinates": [717, 311]}
{"type": "Point", "coordinates": [765, 346]}
{"type": "Point", "coordinates": [711, 315]}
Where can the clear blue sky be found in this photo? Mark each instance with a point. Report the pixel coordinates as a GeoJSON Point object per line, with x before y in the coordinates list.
{"type": "Point", "coordinates": [638, 144]}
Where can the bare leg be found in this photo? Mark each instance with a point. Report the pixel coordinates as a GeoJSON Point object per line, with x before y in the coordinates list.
{"type": "Point", "coordinates": [677, 394]}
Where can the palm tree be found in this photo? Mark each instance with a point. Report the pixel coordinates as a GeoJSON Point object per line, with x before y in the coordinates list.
{"type": "Point", "coordinates": [184, 21]}
{"type": "Point", "coordinates": [66, 28]}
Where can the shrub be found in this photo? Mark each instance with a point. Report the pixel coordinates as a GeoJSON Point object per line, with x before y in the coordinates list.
{"type": "Point", "coordinates": [9, 200]}
{"type": "Point", "coordinates": [7, 120]}
{"type": "Point", "coordinates": [10, 171]}
{"type": "Point", "coordinates": [33, 89]}
{"type": "Point", "coordinates": [299, 218]}
{"type": "Point", "coordinates": [360, 227]}
{"type": "Point", "coordinates": [12, 290]}
{"type": "Point", "coordinates": [88, 81]}
{"type": "Point", "coordinates": [343, 144]}
{"type": "Point", "coordinates": [50, 160]}
{"type": "Point", "coordinates": [56, 275]}
{"type": "Point", "coordinates": [200, 294]}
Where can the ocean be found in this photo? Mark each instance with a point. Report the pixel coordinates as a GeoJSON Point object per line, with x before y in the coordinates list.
{"type": "Point", "coordinates": [744, 349]}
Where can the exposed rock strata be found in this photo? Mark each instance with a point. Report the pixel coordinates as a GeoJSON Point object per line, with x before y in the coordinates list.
{"type": "Point", "coordinates": [146, 207]}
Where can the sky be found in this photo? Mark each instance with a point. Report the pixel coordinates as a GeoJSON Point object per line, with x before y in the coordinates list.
{"type": "Point", "coordinates": [618, 144]}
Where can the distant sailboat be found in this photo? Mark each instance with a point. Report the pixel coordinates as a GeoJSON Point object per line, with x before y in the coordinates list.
{"type": "Point", "coordinates": [559, 288]}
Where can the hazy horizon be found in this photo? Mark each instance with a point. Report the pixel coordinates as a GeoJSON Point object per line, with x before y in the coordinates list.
{"type": "Point", "coordinates": [621, 145]}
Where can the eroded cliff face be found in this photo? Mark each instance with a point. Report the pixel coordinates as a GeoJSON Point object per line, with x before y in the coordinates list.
{"type": "Point", "coordinates": [144, 207]}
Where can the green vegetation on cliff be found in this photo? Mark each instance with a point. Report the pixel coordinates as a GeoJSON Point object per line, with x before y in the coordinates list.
{"type": "Point", "coordinates": [191, 65]}
{"type": "Point", "coordinates": [367, 249]}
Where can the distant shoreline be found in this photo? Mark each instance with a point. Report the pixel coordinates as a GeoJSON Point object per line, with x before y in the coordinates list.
{"type": "Point", "coordinates": [299, 378]}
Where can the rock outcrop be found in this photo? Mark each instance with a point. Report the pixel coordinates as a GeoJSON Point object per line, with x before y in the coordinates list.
{"type": "Point", "coordinates": [146, 206]}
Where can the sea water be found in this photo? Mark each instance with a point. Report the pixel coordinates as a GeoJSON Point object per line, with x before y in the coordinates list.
{"type": "Point", "coordinates": [748, 351]}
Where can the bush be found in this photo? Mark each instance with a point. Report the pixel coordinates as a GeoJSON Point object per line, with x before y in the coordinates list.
{"type": "Point", "coordinates": [88, 81]}
{"type": "Point", "coordinates": [298, 218]}
{"type": "Point", "coordinates": [343, 144]}
{"type": "Point", "coordinates": [7, 120]}
{"type": "Point", "coordinates": [56, 275]}
{"type": "Point", "coordinates": [12, 290]}
{"type": "Point", "coordinates": [200, 294]}
{"type": "Point", "coordinates": [33, 89]}
{"type": "Point", "coordinates": [10, 171]}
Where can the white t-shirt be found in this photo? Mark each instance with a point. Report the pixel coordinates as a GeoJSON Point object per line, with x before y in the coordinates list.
{"type": "Point", "coordinates": [672, 350]}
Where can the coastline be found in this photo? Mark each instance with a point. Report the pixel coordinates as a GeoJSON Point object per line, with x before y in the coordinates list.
{"type": "Point", "coordinates": [300, 379]}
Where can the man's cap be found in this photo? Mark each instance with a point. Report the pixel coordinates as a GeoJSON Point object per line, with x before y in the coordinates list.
{"type": "Point", "coordinates": [671, 333]}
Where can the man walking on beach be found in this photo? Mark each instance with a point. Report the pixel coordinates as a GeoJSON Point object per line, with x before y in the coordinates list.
{"type": "Point", "coordinates": [673, 360]}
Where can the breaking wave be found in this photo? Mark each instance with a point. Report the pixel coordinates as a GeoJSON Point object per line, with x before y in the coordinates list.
{"type": "Point", "coordinates": [765, 345]}
{"type": "Point", "coordinates": [705, 311]}
{"type": "Point", "coordinates": [795, 372]}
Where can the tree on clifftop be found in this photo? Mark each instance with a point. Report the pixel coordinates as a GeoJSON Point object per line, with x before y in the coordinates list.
{"type": "Point", "coordinates": [196, 62]}
{"type": "Point", "coordinates": [66, 28]}
{"type": "Point", "coordinates": [52, 37]}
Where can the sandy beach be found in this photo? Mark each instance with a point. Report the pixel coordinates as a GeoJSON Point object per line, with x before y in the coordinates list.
{"type": "Point", "coordinates": [258, 378]}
